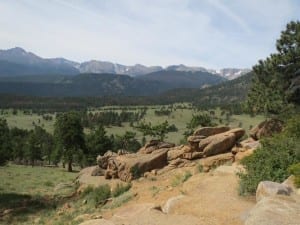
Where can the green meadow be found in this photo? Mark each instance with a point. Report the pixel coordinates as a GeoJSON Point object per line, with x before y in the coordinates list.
{"type": "Point", "coordinates": [179, 117]}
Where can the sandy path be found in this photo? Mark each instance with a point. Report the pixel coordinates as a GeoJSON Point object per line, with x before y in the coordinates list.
{"type": "Point", "coordinates": [212, 198]}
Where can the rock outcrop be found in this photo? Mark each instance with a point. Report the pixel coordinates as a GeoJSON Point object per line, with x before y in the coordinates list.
{"type": "Point", "coordinates": [209, 131]}
{"type": "Point", "coordinates": [276, 205]}
{"type": "Point", "coordinates": [211, 143]}
{"type": "Point", "coordinates": [135, 165]}
{"type": "Point", "coordinates": [266, 129]}
{"type": "Point", "coordinates": [244, 149]}
{"type": "Point", "coordinates": [214, 161]}
{"type": "Point", "coordinates": [269, 189]}
{"type": "Point", "coordinates": [154, 145]}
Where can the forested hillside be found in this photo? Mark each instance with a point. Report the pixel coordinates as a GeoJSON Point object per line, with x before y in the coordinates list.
{"type": "Point", "coordinates": [105, 84]}
{"type": "Point", "coordinates": [229, 92]}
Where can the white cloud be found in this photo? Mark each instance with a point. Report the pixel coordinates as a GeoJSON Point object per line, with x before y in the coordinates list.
{"type": "Point", "coordinates": [212, 33]}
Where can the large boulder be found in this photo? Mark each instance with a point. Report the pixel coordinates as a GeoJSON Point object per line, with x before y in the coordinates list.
{"type": "Point", "coordinates": [102, 161]}
{"type": "Point", "coordinates": [281, 210]}
{"type": "Point", "coordinates": [169, 205]}
{"type": "Point", "coordinates": [134, 165]}
{"type": "Point", "coordinates": [154, 145]}
{"type": "Point", "coordinates": [192, 155]}
{"type": "Point", "coordinates": [203, 133]}
{"type": "Point", "coordinates": [214, 161]}
{"type": "Point", "coordinates": [176, 152]}
{"type": "Point", "coordinates": [220, 143]}
{"type": "Point", "coordinates": [245, 145]}
{"type": "Point", "coordinates": [269, 188]}
{"type": "Point", "coordinates": [276, 205]}
{"type": "Point", "coordinates": [242, 154]}
{"type": "Point", "coordinates": [194, 141]}
{"type": "Point", "coordinates": [244, 149]}
{"type": "Point", "coordinates": [266, 129]}
{"type": "Point", "coordinates": [208, 131]}
{"type": "Point", "coordinates": [97, 171]}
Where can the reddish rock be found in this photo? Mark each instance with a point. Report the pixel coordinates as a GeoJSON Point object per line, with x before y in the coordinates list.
{"type": "Point", "coordinates": [214, 161]}
{"type": "Point", "coordinates": [208, 131]}
{"type": "Point", "coordinates": [266, 129]}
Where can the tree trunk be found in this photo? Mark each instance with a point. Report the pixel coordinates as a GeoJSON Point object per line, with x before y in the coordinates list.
{"type": "Point", "coordinates": [70, 166]}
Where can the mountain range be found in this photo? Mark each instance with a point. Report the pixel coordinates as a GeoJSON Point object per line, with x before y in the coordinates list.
{"type": "Point", "coordinates": [18, 62]}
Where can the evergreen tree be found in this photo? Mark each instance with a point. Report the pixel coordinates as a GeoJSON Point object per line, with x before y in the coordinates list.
{"type": "Point", "coordinates": [33, 151]}
{"type": "Point", "coordinates": [157, 131]}
{"type": "Point", "coordinates": [276, 79]}
{"type": "Point", "coordinates": [18, 143]}
{"type": "Point", "coordinates": [98, 143]}
{"type": "Point", "coordinates": [39, 145]}
{"type": "Point", "coordinates": [68, 133]}
{"type": "Point", "coordinates": [5, 150]}
{"type": "Point", "coordinates": [127, 141]}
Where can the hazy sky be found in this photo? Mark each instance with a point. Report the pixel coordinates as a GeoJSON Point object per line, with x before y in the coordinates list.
{"type": "Point", "coordinates": [210, 33]}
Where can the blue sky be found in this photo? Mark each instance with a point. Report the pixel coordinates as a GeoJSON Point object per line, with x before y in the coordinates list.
{"type": "Point", "coordinates": [210, 33]}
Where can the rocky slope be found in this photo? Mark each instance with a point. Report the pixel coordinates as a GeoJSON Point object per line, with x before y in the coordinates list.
{"type": "Point", "coordinates": [167, 180]}
{"type": "Point", "coordinates": [189, 185]}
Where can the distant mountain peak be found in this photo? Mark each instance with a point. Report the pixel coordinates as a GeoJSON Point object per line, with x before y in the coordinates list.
{"type": "Point", "coordinates": [17, 50]}
{"type": "Point", "coordinates": [39, 65]}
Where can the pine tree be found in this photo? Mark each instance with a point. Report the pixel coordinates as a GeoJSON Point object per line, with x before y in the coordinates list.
{"type": "Point", "coordinates": [68, 132]}
{"type": "Point", "coordinates": [5, 151]}
{"type": "Point", "coordinates": [276, 79]}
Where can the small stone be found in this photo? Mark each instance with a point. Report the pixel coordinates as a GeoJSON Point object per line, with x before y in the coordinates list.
{"type": "Point", "coordinates": [157, 207]}
{"type": "Point", "coordinates": [154, 172]}
{"type": "Point", "coordinates": [97, 217]}
{"type": "Point", "coordinates": [169, 189]}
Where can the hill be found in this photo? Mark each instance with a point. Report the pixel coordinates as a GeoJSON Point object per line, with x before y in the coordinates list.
{"type": "Point", "coordinates": [105, 84]}
{"type": "Point", "coordinates": [229, 92]}
{"type": "Point", "coordinates": [183, 79]}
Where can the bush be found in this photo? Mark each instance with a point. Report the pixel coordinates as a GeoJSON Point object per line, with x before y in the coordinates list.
{"type": "Point", "coordinates": [295, 170]}
{"type": "Point", "coordinates": [179, 179]}
{"type": "Point", "coordinates": [136, 172]}
{"type": "Point", "coordinates": [101, 193]}
{"type": "Point", "coordinates": [200, 168]}
{"type": "Point", "coordinates": [97, 195]}
{"type": "Point", "coordinates": [120, 189]}
{"type": "Point", "coordinates": [272, 160]}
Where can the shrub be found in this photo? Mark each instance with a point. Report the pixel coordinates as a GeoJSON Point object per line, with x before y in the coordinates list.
{"type": "Point", "coordinates": [101, 193]}
{"type": "Point", "coordinates": [181, 178]}
{"type": "Point", "coordinates": [97, 195]}
{"type": "Point", "coordinates": [135, 171]}
{"type": "Point", "coordinates": [272, 160]}
{"type": "Point", "coordinates": [120, 189]}
{"type": "Point", "coordinates": [120, 200]}
{"type": "Point", "coordinates": [295, 170]}
{"type": "Point", "coordinates": [49, 184]}
{"type": "Point", "coordinates": [87, 190]}
{"type": "Point", "coordinates": [200, 168]}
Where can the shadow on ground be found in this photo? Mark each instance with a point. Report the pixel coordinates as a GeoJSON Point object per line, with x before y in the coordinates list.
{"type": "Point", "coordinates": [22, 205]}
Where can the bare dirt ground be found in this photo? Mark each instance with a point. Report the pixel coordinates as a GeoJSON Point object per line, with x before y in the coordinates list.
{"type": "Point", "coordinates": [205, 198]}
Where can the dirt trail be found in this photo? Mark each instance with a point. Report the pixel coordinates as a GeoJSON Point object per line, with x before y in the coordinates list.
{"type": "Point", "coordinates": [212, 198]}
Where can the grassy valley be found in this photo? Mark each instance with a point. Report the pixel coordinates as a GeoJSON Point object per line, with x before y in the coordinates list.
{"type": "Point", "coordinates": [180, 115]}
